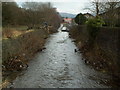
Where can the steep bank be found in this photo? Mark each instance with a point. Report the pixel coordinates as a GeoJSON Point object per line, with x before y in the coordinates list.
{"type": "Point", "coordinates": [104, 54]}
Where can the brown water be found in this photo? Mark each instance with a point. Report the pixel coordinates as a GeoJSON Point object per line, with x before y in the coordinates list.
{"type": "Point", "coordinates": [59, 67]}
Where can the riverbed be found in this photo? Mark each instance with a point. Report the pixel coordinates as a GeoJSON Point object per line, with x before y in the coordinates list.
{"type": "Point", "coordinates": [59, 66]}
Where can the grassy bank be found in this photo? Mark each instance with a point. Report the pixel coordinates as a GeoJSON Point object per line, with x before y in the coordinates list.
{"type": "Point", "coordinates": [103, 55]}
{"type": "Point", "coordinates": [23, 44]}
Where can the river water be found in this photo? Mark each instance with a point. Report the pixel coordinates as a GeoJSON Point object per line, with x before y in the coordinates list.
{"type": "Point", "coordinates": [58, 66]}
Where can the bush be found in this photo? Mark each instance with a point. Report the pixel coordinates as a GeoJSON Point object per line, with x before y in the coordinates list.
{"type": "Point", "coordinates": [80, 19]}
{"type": "Point", "coordinates": [95, 22]}
{"type": "Point", "coordinates": [93, 26]}
{"type": "Point", "coordinates": [28, 44]}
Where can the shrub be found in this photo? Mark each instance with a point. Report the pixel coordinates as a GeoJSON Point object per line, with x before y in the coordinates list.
{"type": "Point", "coordinates": [95, 22]}
{"type": "Point", "coordinates": [93, 26]}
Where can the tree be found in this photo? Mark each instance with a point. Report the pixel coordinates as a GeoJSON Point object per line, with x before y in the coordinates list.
{"type": "Point", "coordinates": [32, 14]}
{"type": "Point", "coordinates": [95, 7]}
{"type": "Point", "coordinates": [111, 13]}
{"type": "Point", "coordinates": [9, 13]}
{"type": "Point", "coordinates": [80, 19]}
{"type": "Point", "coordinates": [107, 10]}
{"type": "Point", "coordinates": [37, 13]}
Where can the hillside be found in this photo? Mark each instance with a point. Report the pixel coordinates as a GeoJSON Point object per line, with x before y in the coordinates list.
{"type": "Point", "coordinates": [69, 15]}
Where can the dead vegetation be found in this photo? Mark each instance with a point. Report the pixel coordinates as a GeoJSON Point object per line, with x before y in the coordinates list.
{"type": "Point", "coordinates": [101, 56]}
{"type": "Point", "coordinates": [9, 32]}
{"type": "Point", "coordinates": [20, 49]}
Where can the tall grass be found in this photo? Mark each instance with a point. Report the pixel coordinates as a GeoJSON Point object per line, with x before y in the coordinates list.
{"type": "Point", "coordinates": [24, 46]}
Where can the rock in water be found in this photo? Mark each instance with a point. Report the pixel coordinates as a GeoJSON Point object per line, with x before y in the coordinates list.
{"type": "Point", "coordinates": [75, 50]}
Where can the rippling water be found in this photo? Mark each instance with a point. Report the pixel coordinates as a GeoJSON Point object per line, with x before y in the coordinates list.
{"type": "Point", "coordinates": [59, 67]}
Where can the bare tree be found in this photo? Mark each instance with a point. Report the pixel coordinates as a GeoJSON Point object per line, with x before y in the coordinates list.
{"type": "Point", "coordinates": [37, 13]}
{"type": "Point", "coordinates": [95, 7]}
{"type": "Point", "coordinates": [106, 9]}
{"type": "Point", "coordinates": [111, 12]}
{"type": "Point", "coordinates": [32, 14]}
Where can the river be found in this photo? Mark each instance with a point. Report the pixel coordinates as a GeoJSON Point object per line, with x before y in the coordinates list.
{"type": "Point", "coordinates": [58, 66]}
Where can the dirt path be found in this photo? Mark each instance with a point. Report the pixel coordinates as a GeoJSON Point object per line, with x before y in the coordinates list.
{"type": "Point", "coordinates": [59, 66]}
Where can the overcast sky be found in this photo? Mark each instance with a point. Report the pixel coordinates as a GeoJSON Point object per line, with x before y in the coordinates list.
{"type": "Point", "coordinates": [68, 6]}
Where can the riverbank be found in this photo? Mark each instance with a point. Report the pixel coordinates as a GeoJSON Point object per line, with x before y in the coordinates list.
{"type": "Point", "coordinates": [58, 66]}
{"type": "Point", "coordinates": [24, 46]}
{"type": "Point", "coordinates": [103, 55]}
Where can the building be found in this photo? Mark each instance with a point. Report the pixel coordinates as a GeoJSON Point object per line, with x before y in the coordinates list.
{"type": "Point", "coordinates": [88, 15]}
{"type": "Point", "coordinates": [67, 20]}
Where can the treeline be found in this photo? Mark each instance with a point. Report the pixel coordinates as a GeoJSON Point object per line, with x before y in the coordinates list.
{"type": "Point", "coordinates": [30, 14]}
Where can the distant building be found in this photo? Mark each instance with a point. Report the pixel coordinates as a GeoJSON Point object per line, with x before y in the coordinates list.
{"type": "Point", "coordinates": [88, 15]}
{"type": "Point", "coordinates": [67, 20]}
